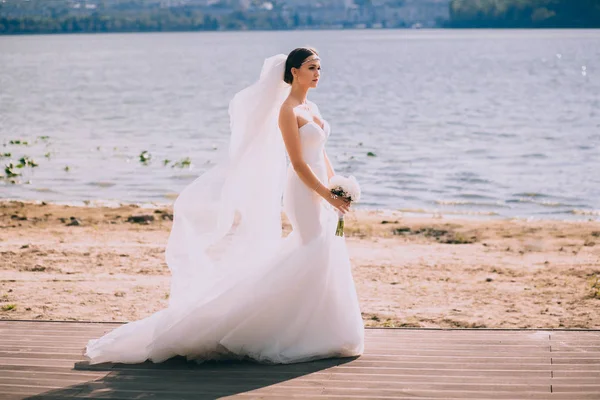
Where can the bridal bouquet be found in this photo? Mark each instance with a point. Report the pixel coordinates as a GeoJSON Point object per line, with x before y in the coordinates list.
{"type": "Point", "coordinates": [344, 187]}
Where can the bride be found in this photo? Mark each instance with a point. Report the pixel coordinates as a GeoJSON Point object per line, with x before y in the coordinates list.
{"type": "Point", "coordinates": [239, 290]}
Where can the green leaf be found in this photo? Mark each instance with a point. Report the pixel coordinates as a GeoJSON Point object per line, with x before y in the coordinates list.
{"type": "Point", "coordinates": [145, 156]}
{"type": "Point", "coordinates": [183, 163]}
{"type": "Point", "coordinates": [26, 161]}
{"type": "Point", "coordinates": [9, 170]}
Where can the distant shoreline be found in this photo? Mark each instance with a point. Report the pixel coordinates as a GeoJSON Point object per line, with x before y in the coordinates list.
{"type": "Point", "coordinates": [399, 212]}
{"type": "Point", "coordinates": [306, 30]}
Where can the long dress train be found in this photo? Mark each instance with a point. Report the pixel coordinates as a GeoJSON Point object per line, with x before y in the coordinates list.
{"type": "Point", "coordinates": [296, 303]}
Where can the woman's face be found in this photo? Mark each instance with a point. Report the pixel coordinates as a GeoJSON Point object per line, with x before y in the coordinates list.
{"type": "Point", "coordinates": [309, 72]}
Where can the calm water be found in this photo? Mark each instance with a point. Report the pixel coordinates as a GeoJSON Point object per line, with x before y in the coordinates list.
{"type": "Point", "coordinates": [478, 122]}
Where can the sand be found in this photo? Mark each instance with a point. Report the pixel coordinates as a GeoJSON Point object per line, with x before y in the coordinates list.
{"type": "Point", "coordinates": [90, 263]}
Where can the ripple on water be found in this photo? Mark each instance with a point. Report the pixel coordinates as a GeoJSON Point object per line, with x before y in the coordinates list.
{"type": "Point", "coordinates": [595, 213]}
{"type": "Point", "coordinates": [543, 203]}
{"type": "Point", "coordinates": [469, 177]}
{"type": "Point", "coordinates": [475, 196]}
{"type": "Point", "coordinates": [476, 151]}
{"type": "Point", "coordinates": [530, 194]}
{"type": "Point", "coordinates": [102, 184]}
{"type": "Point", "coordinates": [184, 177]}
{"type": "Point", "coordinates": [43, 190]}
{"type": "Point", "coordinates": [448, 212]}
{"type": "Point", "coordinates": [475, 204]}
{"type": "Point", "coordinates": [534, 156]}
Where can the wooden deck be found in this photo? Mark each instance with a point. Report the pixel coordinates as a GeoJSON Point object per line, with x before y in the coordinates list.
{"type": "Point", "coordinates": [43, 360]}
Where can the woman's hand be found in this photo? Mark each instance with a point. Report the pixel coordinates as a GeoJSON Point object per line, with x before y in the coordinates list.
{"type": "Point", "coordinates": [341, 203]}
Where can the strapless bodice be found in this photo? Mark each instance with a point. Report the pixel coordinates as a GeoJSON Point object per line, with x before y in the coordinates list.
{"type": "Point", "coordinates": [312, 139]}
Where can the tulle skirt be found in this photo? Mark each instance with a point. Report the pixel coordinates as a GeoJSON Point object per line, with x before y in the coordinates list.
{"type": "Point", "coordinates": [297, 303]}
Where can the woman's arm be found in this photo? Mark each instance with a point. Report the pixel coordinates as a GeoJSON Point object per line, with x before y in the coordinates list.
{"type": "Point", "coordinates": [330, 171]}
{"type": "Point", "coordinates": [291, 138]}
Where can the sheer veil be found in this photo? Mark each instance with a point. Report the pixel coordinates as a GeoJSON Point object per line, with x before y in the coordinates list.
{"type": "Point", "coordinates": [235, 207]}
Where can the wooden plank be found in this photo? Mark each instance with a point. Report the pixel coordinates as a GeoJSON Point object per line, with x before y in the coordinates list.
{"type": "Point", "coordinates": [368, 330]}
{"type": "Point", "coordinates": [374, 332]}
{"type": "Point", "coordinates": [305, 386]}
{"type": "Point", "coordinates": [28, 374]}
{"type": "Point", "coordinates": [476, 338]}
{"type": "Point", "coordinates": [449, 362]}
{"type": "Point", "coordinates": [574, 349]}
{"type": "Point", "coordinates": [252, 395]}
{"type": "Point", "coordinates": [75, 349]}
{"type": "Point", "coordinates": [458, 394]}
{"type": "Point", "coordinates": [570, 354]}
{"type": "Point", "coordinates": [77, 392]}
{"type": "Point", "coordinates": [467, 333]}
{"type": "Point", "coordinates": [577, 373]}
{"type": "Point", "coordinates": [43, 348]}
{"type": "Point", "coordinates": [341, 369]}
{"type": "Point", "coordinates": [199, 383]}
{"type": "Point", "coordinates": [453, 346]}
{"type": "Point", "coordinates": [59, 328]}
{"type": "Point", "coordinates": [368, 334]}
{"type": "Point", "coordinates": [50, 356]}
{"type": "Point", "coordinates": [221, 377]}
{"type": "Point", "coordinates": [567, 334]}
{"type": "Point", "coordinates": [472, 342]}
{"type": "Point", "coordinates": [77, 353]}
{"type": "Point", "coordinates": [6, 345]}
{"type": "Point", "coordinates": [25, 361]}
{"type": "Point", "coordinates": [379, 333]}
{"type": "Point", "coordinates": [58, 337]}
{"type": "Point", "coordinates": [576, 360]}
{"type": "Point", "coordinates": [79, 337]}
{"type": "Point", "coordinates": [575, 343]}
{"type": "Point", "coordinates": [514, 364]}
{"type": "Point", "coordinates": [424, 396]}
{"type": "Point", "coordinates": [575, 367]}
{"type": "Point", "coordinates": [466, 357]}
{"type": "Point", "coordinates": [369, 347]}
{"type": "Point", "coordinates": [568, 388]}
{"type": "Point", "coordinates": [515, 369]}
{"type": "Point", "coordinates": [82, 327]}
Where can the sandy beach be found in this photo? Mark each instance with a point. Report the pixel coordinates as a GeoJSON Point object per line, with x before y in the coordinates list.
{"type": "Point", "coordinates": [107, 264]}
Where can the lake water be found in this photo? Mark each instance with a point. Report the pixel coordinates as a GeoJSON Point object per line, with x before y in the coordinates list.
{"type": "Point", "coordinates": [473, 122]}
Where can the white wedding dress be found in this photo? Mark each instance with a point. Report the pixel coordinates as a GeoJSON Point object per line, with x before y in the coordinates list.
{"type": "Point", "coordinates": [271, 299]}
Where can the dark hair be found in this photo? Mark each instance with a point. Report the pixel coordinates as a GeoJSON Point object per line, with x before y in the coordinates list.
{"type": "Point", "coordinates": [295, 60]}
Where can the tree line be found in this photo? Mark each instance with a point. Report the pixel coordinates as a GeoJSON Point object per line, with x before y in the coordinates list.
{"type": "Point", "coordinates": [162, 20]}
{"type": "Point", "coordinates": [524, 14]}
{"type": "Point", "coordinates": [131, 16]}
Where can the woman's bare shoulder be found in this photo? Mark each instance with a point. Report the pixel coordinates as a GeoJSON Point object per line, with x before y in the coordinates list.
{"type": "Point", "coordinates": [287, 109]}
{"type": "Point", "coordinates": [287, 113]}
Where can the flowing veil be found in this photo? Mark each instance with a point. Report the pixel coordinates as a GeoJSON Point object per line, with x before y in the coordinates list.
{"type": "Point", "coordinates": [234, 207]}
